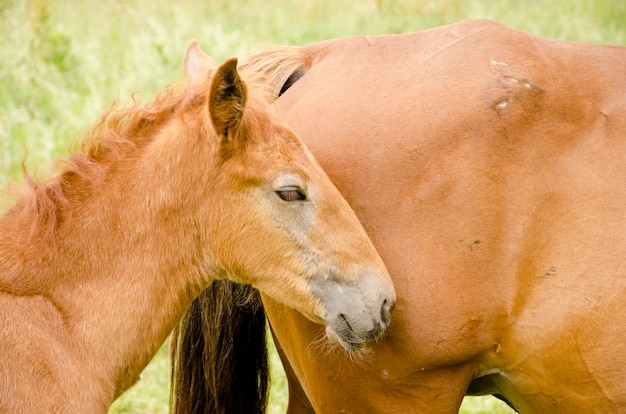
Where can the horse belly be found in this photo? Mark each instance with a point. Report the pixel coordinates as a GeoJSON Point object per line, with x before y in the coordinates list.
{"type": "Point", "coordinates": [565, 349]}
{"type": "Point", "coordinates": [566, 360]}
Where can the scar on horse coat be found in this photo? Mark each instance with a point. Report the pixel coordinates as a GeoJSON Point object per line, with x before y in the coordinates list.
{"type": "Point", "coordinates": [487, 165]}
{"type": "Point", "coordinates": [99, 263]}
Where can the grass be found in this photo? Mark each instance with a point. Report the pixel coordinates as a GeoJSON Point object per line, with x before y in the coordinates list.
{"type": "Point", "coordinates": [63, 62]}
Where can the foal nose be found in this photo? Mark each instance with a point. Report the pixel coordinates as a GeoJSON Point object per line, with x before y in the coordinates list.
{"type": "Point", "coordinates": [357, 310]}
{"type": "Point", "coordinates": [385, 318]}
{"type": "Point", "coordinates": [385, 313]}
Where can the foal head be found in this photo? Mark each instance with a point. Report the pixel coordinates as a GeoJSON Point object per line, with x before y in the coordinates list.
{"type": "Point", "coordinates": [269, 215]}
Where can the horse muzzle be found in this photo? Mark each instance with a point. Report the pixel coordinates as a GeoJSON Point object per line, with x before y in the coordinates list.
{"type": "Point", "coordinates": [358, 309]}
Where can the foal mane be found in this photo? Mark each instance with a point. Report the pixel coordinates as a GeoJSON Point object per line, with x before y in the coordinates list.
{"type": "Point", "coordinates": [116, 139]}
{"type": "Point", "coordinates": [119, 135]}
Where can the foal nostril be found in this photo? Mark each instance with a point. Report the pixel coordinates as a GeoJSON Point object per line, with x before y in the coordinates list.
{"type": "Point", "coordinates": [385, 313]}
{"type": "Point", "coordinates": [345, 320]}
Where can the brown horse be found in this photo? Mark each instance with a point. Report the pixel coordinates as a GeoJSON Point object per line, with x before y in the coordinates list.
{"type": "Point", "coordinates": [98, 263]}
{"type": "Point", "coordinates": [488, 166]}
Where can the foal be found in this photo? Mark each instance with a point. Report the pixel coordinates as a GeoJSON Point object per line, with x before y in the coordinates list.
{"type": "Point", "coordinates": [98, 263]}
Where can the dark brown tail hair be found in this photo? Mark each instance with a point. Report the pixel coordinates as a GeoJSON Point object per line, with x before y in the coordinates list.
{"type": "Point", "coordinates": [219, 353]}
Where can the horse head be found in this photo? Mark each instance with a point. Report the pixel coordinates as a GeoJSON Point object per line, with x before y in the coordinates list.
{"type": "Point", "coordinates": [279, 223]}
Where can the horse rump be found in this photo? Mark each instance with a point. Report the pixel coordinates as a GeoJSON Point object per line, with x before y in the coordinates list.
{"type": "Point", "coordinates": [219, 353]}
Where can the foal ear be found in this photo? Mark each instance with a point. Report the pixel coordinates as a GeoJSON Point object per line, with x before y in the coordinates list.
{"type": "Point", "coordinates": [197, 64]}
{"type": "Point", "coordinates": [227, 99]}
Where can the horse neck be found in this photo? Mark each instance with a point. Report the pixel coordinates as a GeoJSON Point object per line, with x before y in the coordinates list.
{"type": "Point", "coordinates": [124, 266]}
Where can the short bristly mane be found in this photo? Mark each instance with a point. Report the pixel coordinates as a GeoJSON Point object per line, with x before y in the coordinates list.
{"type": "Point", "coordinates": [118, 134]}
{"type": "Point", "coordinates": [116, 139]}
{"type": "Point", "coordinates": [121, 132]}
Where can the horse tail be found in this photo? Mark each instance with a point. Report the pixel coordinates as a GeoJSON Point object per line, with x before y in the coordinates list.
{"type": "Point", "coordinates": [219, 353]}
{"type": "Point", "coordinates": [279, 67]}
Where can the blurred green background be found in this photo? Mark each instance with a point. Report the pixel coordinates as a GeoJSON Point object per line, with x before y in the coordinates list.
{"type": "Point", "coordinates": [63, 62]}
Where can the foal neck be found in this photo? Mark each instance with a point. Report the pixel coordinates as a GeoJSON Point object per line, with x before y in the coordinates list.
{"type": "Point", "coordinates": [154, 267]}
{"type": "Point", "coordinates": [120, 258]}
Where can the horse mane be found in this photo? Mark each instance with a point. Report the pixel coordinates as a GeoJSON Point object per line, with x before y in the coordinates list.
{"type": "Point", "coordinates": [275, 66]}
{"type": "Point", "coordinates": [119, 132]}
{"type": "Point", "coordinates": [118, 137]}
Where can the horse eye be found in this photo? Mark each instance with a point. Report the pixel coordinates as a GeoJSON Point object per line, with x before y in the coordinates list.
{"type": "Point", "coordinates": [291, 194]}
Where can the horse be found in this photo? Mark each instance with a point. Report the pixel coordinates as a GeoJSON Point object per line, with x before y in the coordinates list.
{"type": "Point", "coordinates": [487, 166]}
{"type": "Point", "coordinates": [99, 262]}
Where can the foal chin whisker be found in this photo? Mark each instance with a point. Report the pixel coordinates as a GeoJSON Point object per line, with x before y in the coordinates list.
{"type": "Point", "coordinates": [358, 357]}
{"type": "Point", "coordinates": [322, 347]}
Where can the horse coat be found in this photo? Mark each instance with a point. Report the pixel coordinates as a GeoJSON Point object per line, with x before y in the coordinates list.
{"type": "Point", "coordinates": [488, 167]}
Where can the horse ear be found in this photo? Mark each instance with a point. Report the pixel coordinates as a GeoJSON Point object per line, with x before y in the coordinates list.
{"type": "Point", "coordinates": [227, 99]}
{"type": "Point", "coordinates": [197, 64]}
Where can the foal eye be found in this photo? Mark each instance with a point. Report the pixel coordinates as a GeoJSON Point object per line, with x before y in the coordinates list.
{"type": "Point", "coordinates": [291, 194]}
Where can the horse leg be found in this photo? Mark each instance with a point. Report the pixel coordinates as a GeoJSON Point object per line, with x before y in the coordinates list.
{"type": "Point", "coordinates": [298, 401]}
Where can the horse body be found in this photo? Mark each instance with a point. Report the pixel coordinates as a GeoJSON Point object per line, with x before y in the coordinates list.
{"type": "Point", "coordinates": [487, 165]}
{"type": "Point", "coordinates": [98, 263]}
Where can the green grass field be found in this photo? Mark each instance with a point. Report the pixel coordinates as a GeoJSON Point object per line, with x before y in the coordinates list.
{"type": "Point", "coordinates": [63, 62]}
